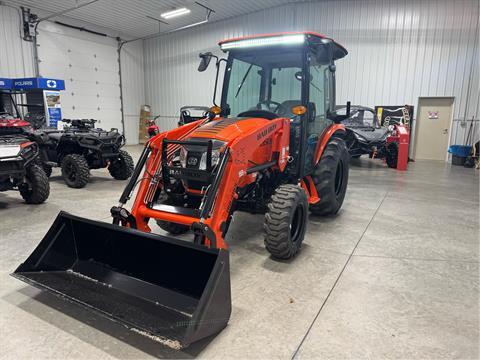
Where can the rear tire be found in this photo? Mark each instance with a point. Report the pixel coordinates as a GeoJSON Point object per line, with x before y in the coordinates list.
{"type": "Point", "coordinates": [330, 177]}
{"type": "Point", "coordinates": [391, 155]}
{"type": "Point", "coordinates": [286, 221]}
{"type": "Point", "coordinates": [75, 170]}
{"type": "Point", "coordinates": [122, 167]}
{"type": "Point", "coordinates": [38, 187]}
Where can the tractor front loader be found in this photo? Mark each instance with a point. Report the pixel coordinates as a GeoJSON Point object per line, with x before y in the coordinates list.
{"type": "Point", "coordinates": [274, 146]}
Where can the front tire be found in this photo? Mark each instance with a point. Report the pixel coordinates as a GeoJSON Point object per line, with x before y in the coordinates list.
{"type": "Point", "coordinates": [122, 167]}
{"type": "Point", "coordinates": [391, 156]}
{"type": "Point", "coordinates": [286, 221]}
{"type": "Point", "coordinates": [75, 170]}
{"type": "Point", "coordinates": [330, 177]}
{"type": "Point", "coordinates": [37, 188]}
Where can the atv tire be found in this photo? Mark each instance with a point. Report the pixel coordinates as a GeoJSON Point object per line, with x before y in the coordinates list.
{"type": "Point", "coordinates": [173, 228]}
{"type": "Point", "coordinates": [47, 169]}
{"type": "Point", "coordinates": [286, 221]}
{"type": "Point", "coordinates": [75, 170]}
{"type": "Point", "coordinates": [330, 177]}
{"type": "Point", "coordinates": [38, 188]}
{"type": "Point", "coordinates": [391, 155]}
{"type": "Point", "coordinates": [122, 167]}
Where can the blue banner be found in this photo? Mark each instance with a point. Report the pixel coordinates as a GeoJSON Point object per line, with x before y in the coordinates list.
{"type": "Point", "coordinates": [54, 116]}
{"type": "Point", "coordinates": [6, 83]}
{"type": "Point", "coordinates": [38, 83]}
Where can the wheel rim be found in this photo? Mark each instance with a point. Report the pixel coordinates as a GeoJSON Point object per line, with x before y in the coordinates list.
{"type": "Point", "coordinates": [70, 171]}
{"type": "Point", "coordinates": [297, 223]}
{"type": "Point", "coordinates": [339, 178]}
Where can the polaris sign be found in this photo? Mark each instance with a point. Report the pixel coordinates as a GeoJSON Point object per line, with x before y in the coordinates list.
{"type": "Point", "coordinates": [5, 83]}
{"type": "Point", "coordinates": [38, 83]}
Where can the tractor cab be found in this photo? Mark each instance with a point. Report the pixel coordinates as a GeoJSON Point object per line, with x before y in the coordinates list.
{"type": "Point", "coordinates": [289, 75]}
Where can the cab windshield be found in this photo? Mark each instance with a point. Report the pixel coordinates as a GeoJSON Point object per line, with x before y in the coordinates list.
{"type": "Point", "coordinates": [265, 81]}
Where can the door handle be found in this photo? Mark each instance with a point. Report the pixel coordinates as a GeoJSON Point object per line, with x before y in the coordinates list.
{"type": "Point", "coordinates": [445, 131]}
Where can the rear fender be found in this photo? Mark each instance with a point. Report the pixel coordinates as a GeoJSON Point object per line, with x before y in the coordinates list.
{"type": "Point", "coordinates": [328, 133]}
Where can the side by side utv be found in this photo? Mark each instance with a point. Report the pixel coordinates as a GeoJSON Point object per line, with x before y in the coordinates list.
{"type": "Point", "coordinates": [274, 145]}
{"type": "Point", "coordinates": [365, 135]}
{"type": "Point", "coordinates": [81, 147]}
{"type": "Point", "coordinates": [19, 169]}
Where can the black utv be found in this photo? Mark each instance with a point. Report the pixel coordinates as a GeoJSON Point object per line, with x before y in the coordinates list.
{"type": "Point", "coordinates": [364, 135]}
{"type": "Point", "coordinates": [81, 147]}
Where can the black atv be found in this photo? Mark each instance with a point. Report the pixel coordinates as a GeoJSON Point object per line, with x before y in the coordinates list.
{"type": "Point", "coordinates": [81, 147]}
{"type": "Point", "coordinates": [18, 162]}
{"type": "Point", "coordinates": [365, 136]}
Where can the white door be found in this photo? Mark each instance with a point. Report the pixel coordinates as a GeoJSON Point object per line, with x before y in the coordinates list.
{"type": "Point", "coordinates": [89, 65]}
{"type": "Point", "coordinates": [432, 128]}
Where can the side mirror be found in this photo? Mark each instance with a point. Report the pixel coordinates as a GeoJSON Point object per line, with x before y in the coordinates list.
{"type": "Point", "coordinates": [205, 61]}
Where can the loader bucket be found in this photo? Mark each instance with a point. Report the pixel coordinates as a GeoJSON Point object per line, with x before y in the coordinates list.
{"type": "Point", "coordinates": [169, 290]}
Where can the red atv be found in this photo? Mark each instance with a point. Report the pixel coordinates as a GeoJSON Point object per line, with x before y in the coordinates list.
{"type": "Point", "coordinates": [19, 169]}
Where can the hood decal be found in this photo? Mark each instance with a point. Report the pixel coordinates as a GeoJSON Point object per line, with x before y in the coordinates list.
{"type": "Point", "coordinates": [215, 127]}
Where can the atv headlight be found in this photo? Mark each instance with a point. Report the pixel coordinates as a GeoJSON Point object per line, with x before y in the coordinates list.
{"type": "Point", "coordinates": [215, 159]}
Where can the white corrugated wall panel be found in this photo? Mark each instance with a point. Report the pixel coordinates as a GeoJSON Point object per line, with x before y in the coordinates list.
{"type": "Point", "coordinates": [398, 51]}
{"type": "Point", "coordinates": [133, 84]}
{"type": "Point", "coordinates": [16, 59]}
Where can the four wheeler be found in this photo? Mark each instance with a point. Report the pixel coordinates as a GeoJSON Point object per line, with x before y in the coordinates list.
{"type": "Point", "coordinates": [18, 162]}
{"type": "Point", "coordinates": [275, 146]}
{"type": "Point", "coordinates": [365, 136]}
{"type": "Point", "coordinates": [81, 147]}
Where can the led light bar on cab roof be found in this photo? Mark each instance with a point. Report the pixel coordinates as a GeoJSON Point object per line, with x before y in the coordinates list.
{"type": "Point", "coordinates": [174, 13]}
{"type": "Point", "coordinates": [266, 41]}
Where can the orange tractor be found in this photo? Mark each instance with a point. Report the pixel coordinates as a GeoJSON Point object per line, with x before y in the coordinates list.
{"type": "Point", "coordinates": [273, 145]}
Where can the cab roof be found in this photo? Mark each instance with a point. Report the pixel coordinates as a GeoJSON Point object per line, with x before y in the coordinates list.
{"type": "Point", "coordinates": [312, 38]}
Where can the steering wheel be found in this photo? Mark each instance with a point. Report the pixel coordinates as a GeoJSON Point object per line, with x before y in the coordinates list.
{"type": "Point", "coordinates": [280, 109]}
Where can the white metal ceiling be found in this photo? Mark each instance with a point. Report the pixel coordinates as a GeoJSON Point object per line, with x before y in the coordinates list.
{"type": "Point", "coordinates": [130, 16]}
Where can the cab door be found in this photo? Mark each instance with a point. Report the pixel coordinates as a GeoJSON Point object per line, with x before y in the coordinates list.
{"type": "Point", "coordinates": [319, 84]}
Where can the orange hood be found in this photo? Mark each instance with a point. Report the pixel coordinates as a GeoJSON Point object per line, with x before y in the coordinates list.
{"type": "Point", "coordinates": [226, 129]}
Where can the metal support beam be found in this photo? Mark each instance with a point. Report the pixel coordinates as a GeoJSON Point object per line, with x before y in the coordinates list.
{"type": "Point", "coordinates": [59, 13]}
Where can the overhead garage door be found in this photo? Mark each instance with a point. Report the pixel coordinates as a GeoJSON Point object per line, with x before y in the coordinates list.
{"type": "Point", "coordinates": [88, 64]}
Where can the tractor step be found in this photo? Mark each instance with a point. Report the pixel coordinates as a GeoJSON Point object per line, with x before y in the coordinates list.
{"type": "Point", "coordinates": [169, 290]}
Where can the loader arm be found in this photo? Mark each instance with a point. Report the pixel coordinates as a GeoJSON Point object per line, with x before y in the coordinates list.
{"type": "Point", "coordinates": [213, 216]}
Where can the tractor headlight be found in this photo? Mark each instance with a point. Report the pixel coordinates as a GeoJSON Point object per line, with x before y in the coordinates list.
{"type": "Point", "coordinates": [215, 159]}
{"type": "Point", "coordinates": [183, 157]}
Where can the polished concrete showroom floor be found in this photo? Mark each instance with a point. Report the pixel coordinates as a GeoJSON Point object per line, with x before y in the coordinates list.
{"type": "Point", "coordinates": [393, 275]}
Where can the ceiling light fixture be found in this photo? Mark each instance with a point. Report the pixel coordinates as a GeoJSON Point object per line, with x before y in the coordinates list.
{"type": "Point", "coordinates": [175, 13]}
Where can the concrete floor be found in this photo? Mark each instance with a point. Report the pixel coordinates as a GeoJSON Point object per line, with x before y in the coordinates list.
{"type": "Point", "coordinates": [394, 275]}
